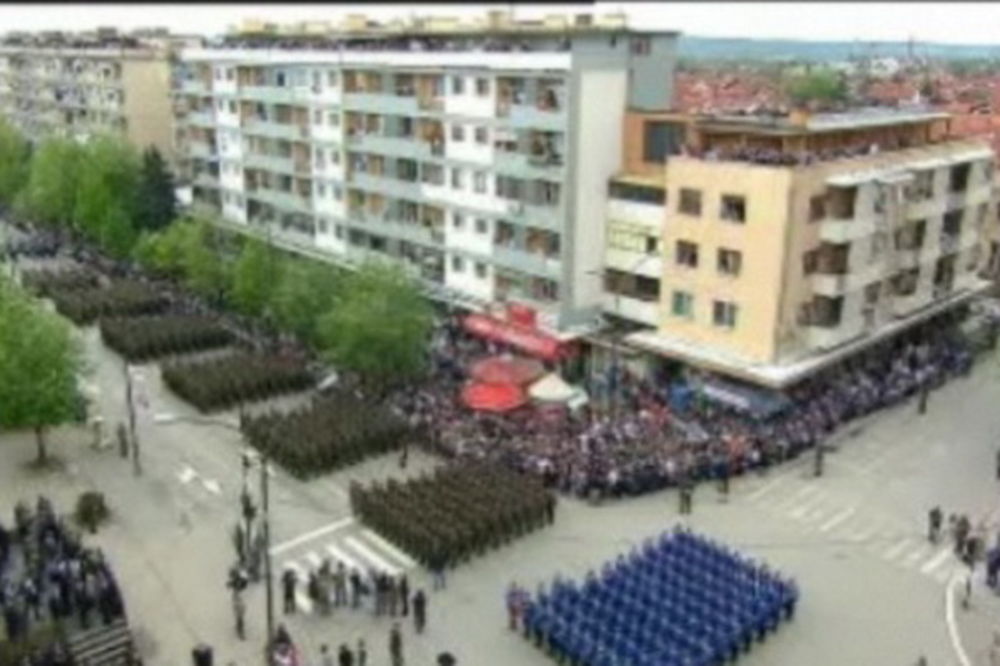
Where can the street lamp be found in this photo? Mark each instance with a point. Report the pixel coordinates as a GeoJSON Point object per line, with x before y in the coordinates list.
{"type": "Point", "coordinates": [247, 461]}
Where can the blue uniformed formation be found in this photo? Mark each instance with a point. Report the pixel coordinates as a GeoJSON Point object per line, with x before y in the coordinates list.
{"type": "Point", "coordinates": [682, 600]}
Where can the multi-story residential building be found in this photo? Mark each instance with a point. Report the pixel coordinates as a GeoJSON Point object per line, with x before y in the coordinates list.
{"type": "Point", "coordinates": [769, 247]}
{"type": "Point", "coordinates": [79, 85]}
{"type": "Point", "coordinates": [476, 154]}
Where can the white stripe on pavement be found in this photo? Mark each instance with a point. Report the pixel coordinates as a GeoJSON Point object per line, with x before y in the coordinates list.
{"type": "Point", "coordinates": [836, 520]}
{"type": "Point", "coordinates": [914, 557]}
{"type": "Point", "coordinates": [339, 555]}
{"type": "Point", "coordinates": [936, 561]}
{"type": "Point", "coordinates": [766, 488]}
{"type": "Point", "coordinates": [186, 475]}
{"type": "Point", "coordinates": [332, 527]}
{"type": "Point", "coordinates": [892, 551]}
{"type": "Point", "coordinates": [372, 556]}
{"type": "Point", "coordinates": [389, 548]}
{"type": "Point", "coordinates": [314, 559]}
{"type": "Point", "coordinates": [788, 502]}
{"type": "Point", "coordinates": [808, 506]}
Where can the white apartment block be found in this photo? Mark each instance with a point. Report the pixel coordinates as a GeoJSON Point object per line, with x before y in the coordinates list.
{"type": "Point", "coordinates": [477, 156]}
{"type": "Point", "coordinates": [77, 88]}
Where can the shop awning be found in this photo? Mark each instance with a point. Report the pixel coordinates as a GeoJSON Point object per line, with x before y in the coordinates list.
{"type": "Point", "coordinates": [758, 402]}
{"type": "Point", "coordinates": [493, 397]}
{"type": "Point", "coordinates": [528, 340]}
{"type": "Point", "coordinates": [506, 370]}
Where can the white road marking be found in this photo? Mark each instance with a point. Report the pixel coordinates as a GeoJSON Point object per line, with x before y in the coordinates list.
{"type": "Point", "coordinates": [314, 559]}
{"type": "Point", "coordinates": [400, 556]}
{"type": "Point", "coordinates": [891, 552]}
{"type": "Point", "coordinates": [836, 520]}
{"type": "Point", "coordinates": [372, 556]}
{"type": "Point", "coordinates": [915, 557]}
{"type": "Point", "coordinates": [212, 486]}
{"type": "Point", "coordinates": [186, 475]}
{"type": "Point", "coordinates": [766, 488]}
{"type": "Point", "coordinates": [308, 536]}
{"type": "Point", "coordinates": [809, 506]}
{"type": "Point", "coordinates": [788, 502]}
{"type": "Point", "coordinates": [949, 611]}
{"type": "Point", "coordinates": [339, 555]}
{"type": "Point", "coordinates": [942, 556]}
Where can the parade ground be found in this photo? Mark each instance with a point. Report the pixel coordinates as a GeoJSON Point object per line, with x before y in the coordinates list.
{"type": "Point", "coordinates": [874, 591]}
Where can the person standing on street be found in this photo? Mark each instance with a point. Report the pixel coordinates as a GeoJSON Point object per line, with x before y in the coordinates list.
{"type": "Point", "coordinates": [934, 518]}
{"type": "Point", "coordinates": [240, 612]}
{"type": "Point", "coordinates": [404, 595]}
{"type": "Point", "coordinates": [419, 611]}
{"type": "Point", "coordinates": [396, 644]}
{"type": "Point", "coordinates": [288, 582]}
{"type": "Point", "coordinates": [345, 657]}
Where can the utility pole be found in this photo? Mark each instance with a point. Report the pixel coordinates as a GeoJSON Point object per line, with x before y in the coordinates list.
{"type": "Point", "coordinates": [130, 406]}
{"type": "Point", "coordinates": [266, 526]}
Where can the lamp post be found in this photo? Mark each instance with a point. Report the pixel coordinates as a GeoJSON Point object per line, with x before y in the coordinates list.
{"type": "Point", "coordinates": [247, 462]}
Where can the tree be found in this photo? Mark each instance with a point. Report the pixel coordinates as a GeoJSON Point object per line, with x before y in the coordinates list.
{"type": "Point", "coordinates": [204, 270]}
{"type": "Point", "coordinates": [818, 85]}
{"type": "Point", "coordinates": [163, 251]}
{"type": "Point", "coordinates": [107, 193]}
{"type": "Point", "coordinates": [15, 153]}
{"type": "Point", "coordinates": [157, 204]}
{"type": "Point", "coordinates": [255, 276]}
{"type": "Point", "coordinates": [378, 326]}
{"type": "Point", "coordinates": [39, 364]}
{"type": "Point", "coordinates": [50, 193]}
{"type": "Point", "coordinates": [305, 291]}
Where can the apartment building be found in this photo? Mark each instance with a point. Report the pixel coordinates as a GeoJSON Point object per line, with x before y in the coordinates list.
{"type": "Point", "coordinates": [478, 154]}
{"type": "Point", "coordinates": [78, 85]}
{"type": "Point", "coordinates": [786, 243]}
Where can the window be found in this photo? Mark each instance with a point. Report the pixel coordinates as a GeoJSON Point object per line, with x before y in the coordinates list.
{"type": "Point", "coordinates": [230, 74]}
{"type": "Point", "coordinates": [321, 191]}
{"type": "Point", "coordinates": [482, 136]}
{"type": "Point", "coordinates": [687, 254]}
{"type": "Point", "coordinates": [457, 264]}
{"type": "Point", "coordinates": [479, 182]}
{"type": "Point", "coordinates": [323, 225]}
{"type": "Point", "coordinates": [638, 193]}
{"type": "Point", "coordinates": [724, 314]}
{"type": "Point", "coordinates": [730, 262]}
{"type": "Point", "coordinates": [458, 221]}
{"type": "Point", "coordinates": [338, 193]}
{"type": "Point", "coordinates": [457, 85]}
{"type": "Point", "coordinates": [640, 46]}
{"type": "Point", "coordinates": [480, 270]}
{"type": "Point", "coordinates": [334, 119]}
{"type": "Point", "coordinates": [331, 78]}
{"type": "Point", "coordinates": [682, 304]}
{"type": "Point", "coordinates": [317, 81]}
{"type": "Point", "coordinates": [483, 87]}
{"type": "Point", "coordinates": [218, 73]}
{"type": "Point", "coordinates": [690, 202]}
{"type": "Point", "coordinates": [482, 226]}
{"type": "Point", "coordinates": [810, 260]}
{"type": "Point", "coordinates": [317, 117]}
{"type": "Point", "coordinates": [817, 208]}
{"type": "Point", "coordinates": [652, 245]}
{"type": "Point", "coordinates": [733, 208]}
{"type": "Point", "coordinates": [232, 106]}
{"type": "Point", "coordinates": [457, 133]}
{"type": "Point", "coordinates": [221, 105]}
{"type": "Point", "coordinates": [338, 232]}
{"type": "Point", "coordinates": [659, 139]}
{"type": "Point", "coordinates": [456, 179]}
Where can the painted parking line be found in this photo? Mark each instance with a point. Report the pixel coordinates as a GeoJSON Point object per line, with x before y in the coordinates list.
{"type": "Point", "coordinates": [837, 520]}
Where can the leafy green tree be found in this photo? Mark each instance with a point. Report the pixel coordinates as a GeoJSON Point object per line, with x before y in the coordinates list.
{"type": "Point", "coordinates": [204, 270]}
{"type": "Point", "coordinates": [107, 193]}
{"type": "Point", "coordinates": [255, 276]}
{"type": "Point", "coordinates": [163, 251]}
{"type": "Point", "coordinates": [39, 364]}
{"type": "Point", "coordinates": [50, 194]}
{"type": "Point", "coordinates": [817, 85]}
{"type": "Point", "coordinates": [15, 153]}
{"type": "Point", "coordinates": [378, 326]}
{"type": "Point", "coordinates": [157, 204]}
{"type": "Point", "coordinates": [305, 291]}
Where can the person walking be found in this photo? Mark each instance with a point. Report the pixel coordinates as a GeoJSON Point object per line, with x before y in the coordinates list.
{"type": "Point", "coordinates": [934, 518]}
{"type": "Point", "coordinates": [396, 644]}
{"type": "Point", "coordinates": [419, 611]}
{"type": "Point", "coordinates": [355, 588]}
{"type": "Point", "coordinates": [345, 657]}
{"type": "Point", "coordinates": [240, 612]}
{"type": "Point", "coordinates": [288, 582]}
{"type": "Point", "coordinates": [404, 595]}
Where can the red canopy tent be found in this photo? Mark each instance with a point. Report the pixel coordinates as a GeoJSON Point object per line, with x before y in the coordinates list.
{"type": "Point", "coordinates": [529, 340]}
{"type": "Point", "coordinates": [493, 397]}
{"type": "Point", "coordinates": [506, 370]}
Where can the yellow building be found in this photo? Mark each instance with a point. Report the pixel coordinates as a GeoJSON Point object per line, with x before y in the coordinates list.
{"type": "Point", "coordinates": [787, 243]}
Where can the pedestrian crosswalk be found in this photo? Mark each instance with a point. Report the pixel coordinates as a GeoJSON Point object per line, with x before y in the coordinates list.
{"type": "Point", "coordinates": [836, 518]}
{"type": "Point", "coordinates": [357, 547]}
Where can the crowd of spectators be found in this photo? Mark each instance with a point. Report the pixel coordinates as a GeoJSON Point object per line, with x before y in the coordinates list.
{"type": "Point", "coordinates": [650, 443]}
{"type": "Point", "coordinates": [48, 576]}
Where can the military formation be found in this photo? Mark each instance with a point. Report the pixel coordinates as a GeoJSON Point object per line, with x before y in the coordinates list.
{"type": "Point", "coordinates": [121, 298]}
{"type": "Point", "coordinates": [140, 339]}
{"type": "Point", "coordinates": [457, 512]}
{"type": "Point", "coordinates": [332, 432]}
{"type": "Point", "coordinates": [221, 383]}
{"type": "Point", "coordinates": [43, 282]}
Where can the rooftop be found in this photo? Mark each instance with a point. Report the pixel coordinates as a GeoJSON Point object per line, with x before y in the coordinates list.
{"type": "Point", "coordinates": [810, 123]}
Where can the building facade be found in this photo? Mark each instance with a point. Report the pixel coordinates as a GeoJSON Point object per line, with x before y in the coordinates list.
{"type": "Point", "coordinates": [787, 243]}
{"type": "Point", "coordinates": [76, 88]}
{"type": "Point", "coordinates": [478, 156]}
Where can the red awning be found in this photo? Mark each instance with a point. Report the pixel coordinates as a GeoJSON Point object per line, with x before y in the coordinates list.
{"type": "Point", "coordinates": [531, 341]}
{"type": "Point", "coordinates": [506, 370]}
{"type": "Point", "coordinates": [493, 397]}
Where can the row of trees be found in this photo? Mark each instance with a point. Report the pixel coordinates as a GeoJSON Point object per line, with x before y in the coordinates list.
{"type": "Point", "coordinates": [103, 189]}
{"type": "Point", "coordinates": [373, 321]}
{"type": "Point", "coordinates": [40, 361]}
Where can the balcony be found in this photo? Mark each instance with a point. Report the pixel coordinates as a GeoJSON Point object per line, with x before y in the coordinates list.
{"type": "Point", "coordinates": [531, 116]}
{"type": "Point", "coordinates": [386, 185]}
{"type": "Point", "coordinates": [205, 179]}
{"type": "Point", "coordinates": [845, 231]}
{"type": "Point", "coordinates": [527, 262]}
{"type": "Point", "coordinates": [270, 94]}
{"type": "Point", "coordinates": [949, 242]}
{"type": "Point", "coordinates": [632, 309]}
{"type": "Point", "coordinates": [525, 165]}
{"type": "Point", "coordinates": [549, 217]}
{"type": "Point", "coordinates": [272, 129]}
{"type": "Point", "coordinates": [825, 337]}
{"type": "Point", "coordinates": [269, 162]}
{"type": "Point", "coordinates": [194, 86]}
{"type": "Point", "coordinates": [408, 147]}
{"type": "Point", "coordinates": [202, 149]}
{"type": "Point", "coordinates": [903, 306]}
{"type": "Point", "coordinates": [201, 118]}
{"type": "Point", "coordinates": [382, 103]}
{"type": "Point", "coordinates": [282, 200]}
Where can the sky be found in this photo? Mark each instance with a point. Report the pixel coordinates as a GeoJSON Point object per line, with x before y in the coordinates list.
{"type": "Point", "coordinates": [957, 22]}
